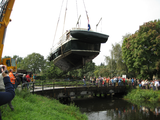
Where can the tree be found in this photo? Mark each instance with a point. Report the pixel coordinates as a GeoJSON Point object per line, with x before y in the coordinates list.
{"type": "Point", "coordinates": [33, 62]}
{"type": "Point", "coordinates": [87, 70]}
{"type": "Point", "coordinates": [141, 51]}
{"type": "Point", "coordinates": [7, 57]}
{"type": "Point", "coordinates": [17, 58]}
{"type": "Point", "coordinates": [51, 71]}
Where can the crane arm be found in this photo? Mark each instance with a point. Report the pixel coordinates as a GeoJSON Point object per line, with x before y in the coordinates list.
{"type": "Point", "coordinates": [5, 12]}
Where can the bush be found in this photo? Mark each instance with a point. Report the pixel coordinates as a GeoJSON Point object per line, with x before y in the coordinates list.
{"type": "Point", "coordinates": [143, 95]}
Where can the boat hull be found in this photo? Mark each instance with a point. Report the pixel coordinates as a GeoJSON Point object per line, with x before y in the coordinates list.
{"type": "Point", "coordinates": [77, 47]}
{"type": "Point", "coordinates": [74, 54]}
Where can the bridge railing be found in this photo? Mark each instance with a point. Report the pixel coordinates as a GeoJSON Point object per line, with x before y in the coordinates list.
{"type": "Point", "coordinates": [50, 84]}
{"type": "Point", "coordinates": [63, 83]}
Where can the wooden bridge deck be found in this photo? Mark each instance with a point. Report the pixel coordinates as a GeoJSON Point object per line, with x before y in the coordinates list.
{"type": "Point", "coordinates": [63, 92]}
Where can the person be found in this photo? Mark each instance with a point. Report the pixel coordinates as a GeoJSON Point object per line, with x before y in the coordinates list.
{"type": "Point", "coordinates": [156, 84]}
{"type": "Point", "coordinates": [17, 80]}
{"type": "Point", "coordinates": [34, 77]}
{"type": "Point", "coordinates": [143, 84]}
{"type": "Point", "coordinates": [2, 89]}
{"type": "Point", "coordinates": [132, 81]}
{"type": "Point", "coordinates": [8, 95]}
{"type": "Point", "coordinates": [28, 79]}
{"type": "Point", "coordinates": [24, 80]}
{"type": "Point", "coordinates": [151, 85]}
{"type": "Point", "coordinates": [94, 81]}
{"type": "Point", "coordinates": [112, 80]}
{"type": "Point", "coordinates": [126, 81]}
{"type": "Point", "coordinates": [119, 81]}
{"type": "Point", "coordinates": [90, 79]}
{"type": "Point", "coordinates": [84, 80]}
{"type": "Point", "coordinates": [140, 85]}
{"type": "Point", "coordinates": [100, 80]}
{"type": "Point", "coordinates": [12, 78]}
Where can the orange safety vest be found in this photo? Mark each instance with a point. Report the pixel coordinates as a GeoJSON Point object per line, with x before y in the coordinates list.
{"type": "Point", "coordinates": [12, 78]}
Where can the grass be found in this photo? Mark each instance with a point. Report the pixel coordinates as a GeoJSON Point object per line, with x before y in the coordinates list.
{"type": "Point", "coordinates": [33, 107]}
{"type": "Point", "coordinates": [143, 95]}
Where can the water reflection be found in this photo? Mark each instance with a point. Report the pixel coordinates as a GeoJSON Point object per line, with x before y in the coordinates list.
{"type": "Point", "coordinates": [116, 109]}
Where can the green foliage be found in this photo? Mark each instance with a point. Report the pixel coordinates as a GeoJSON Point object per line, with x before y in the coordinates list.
{"type": "Point", "coordinates": [143, 95]}
{"type": "Point", "coordinates": [33, 62]}
{"type": "Point", "coordinates": [42, 77]}
{"type": "Point", "coordinates": [18, 59]}
{"type": "Point", "coordinates": [87, 70]}
{"type": "Point", "coordinates": [7, 57]}
{"type": "Point", "coordinates": [115, 63]}
{"type": "Point", "coordinates": [51, 71]}
{"type": "Point", "coordinates": [33, 107]}
{"type": "Point", "coordinates": [101, 71]}
{"type": "Point", "coordinates": [141, 50]}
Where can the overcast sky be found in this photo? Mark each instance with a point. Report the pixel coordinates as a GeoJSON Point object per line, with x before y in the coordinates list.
{"type": "Point", "coordinates": [33, 24]}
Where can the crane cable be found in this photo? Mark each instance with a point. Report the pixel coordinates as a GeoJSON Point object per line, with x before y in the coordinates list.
{"type": "Point", "coordinates": [63, 27]}
{"type": "Point", "coordinates": [65, 17]}
{"type": "Point", "coordinates": [77, 14]}
{"type": "Point", "coordinates": [86, 12]}
{"type": "Point", "coordinates": [77, 8]}
{"type": "Point", "coordinates": [57, 24]}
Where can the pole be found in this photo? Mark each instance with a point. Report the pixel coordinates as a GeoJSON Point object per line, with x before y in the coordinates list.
{"type": "Point", "coordinates": [98, 23]}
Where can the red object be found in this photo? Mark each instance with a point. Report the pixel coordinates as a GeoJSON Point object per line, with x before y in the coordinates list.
{"type": "Point", "coordinates": [123, 80]}
{"type": "Point", "coordinates": [28, 78]}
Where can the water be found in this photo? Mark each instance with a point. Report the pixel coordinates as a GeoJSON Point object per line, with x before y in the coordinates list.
{"type": "Point", "coordinates": [116, 109]}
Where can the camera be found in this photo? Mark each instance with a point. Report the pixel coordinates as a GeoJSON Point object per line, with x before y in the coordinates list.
{"type": "Point", "coordinates": [2, 67]}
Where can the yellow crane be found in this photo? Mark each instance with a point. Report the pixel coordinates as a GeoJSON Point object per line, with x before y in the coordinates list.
{"type": "Point", "coordinates": [5, 12]}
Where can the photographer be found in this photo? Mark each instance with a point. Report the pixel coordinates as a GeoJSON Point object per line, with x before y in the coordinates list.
{"type": "Point", "coordinates": [8, 95]}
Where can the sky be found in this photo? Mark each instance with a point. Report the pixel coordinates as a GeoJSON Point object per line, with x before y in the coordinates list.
{"type": "Point", "coordinates": [34, 22]}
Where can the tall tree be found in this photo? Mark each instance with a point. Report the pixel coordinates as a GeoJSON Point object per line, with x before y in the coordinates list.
{"type": "Point", "coordinates": [141, 50]}
{"type": "Point", "coordinates": [87, 70]}
{"type": "Point", "coordinates": [33, 62]}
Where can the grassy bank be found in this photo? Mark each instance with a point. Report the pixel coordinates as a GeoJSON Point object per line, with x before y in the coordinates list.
{"type": "Point", "coordinates": [143, 95]}
{"type": "Point", "coordinates": [33, 107]}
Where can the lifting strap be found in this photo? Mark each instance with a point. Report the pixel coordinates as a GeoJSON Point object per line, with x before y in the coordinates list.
{"type": "Point", "coordinates": [65, 17]}
{"type": "Point", "coordinates": [77, 14]}
{"type": "Point", "coordinates": [86, 11]}
{"type": "Point", "coordinates": [57, 24]}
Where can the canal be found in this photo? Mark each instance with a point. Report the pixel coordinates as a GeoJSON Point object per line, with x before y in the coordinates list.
{"type": "Point", "coordinates": [116, 109]}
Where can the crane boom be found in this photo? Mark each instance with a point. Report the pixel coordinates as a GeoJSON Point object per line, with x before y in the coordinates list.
{"type": "Point", "coordinates": [5, 12]}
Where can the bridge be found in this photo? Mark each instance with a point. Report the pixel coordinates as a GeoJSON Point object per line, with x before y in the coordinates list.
{"type": "Point", "coordinates": [66, 89]}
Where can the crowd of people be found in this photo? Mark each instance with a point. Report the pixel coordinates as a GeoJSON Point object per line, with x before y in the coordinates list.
{"type": "Point", "coordinates": [119, 81]}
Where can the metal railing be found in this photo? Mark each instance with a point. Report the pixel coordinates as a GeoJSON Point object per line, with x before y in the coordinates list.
{"type": "Point", "coordinates": [52, 84]}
